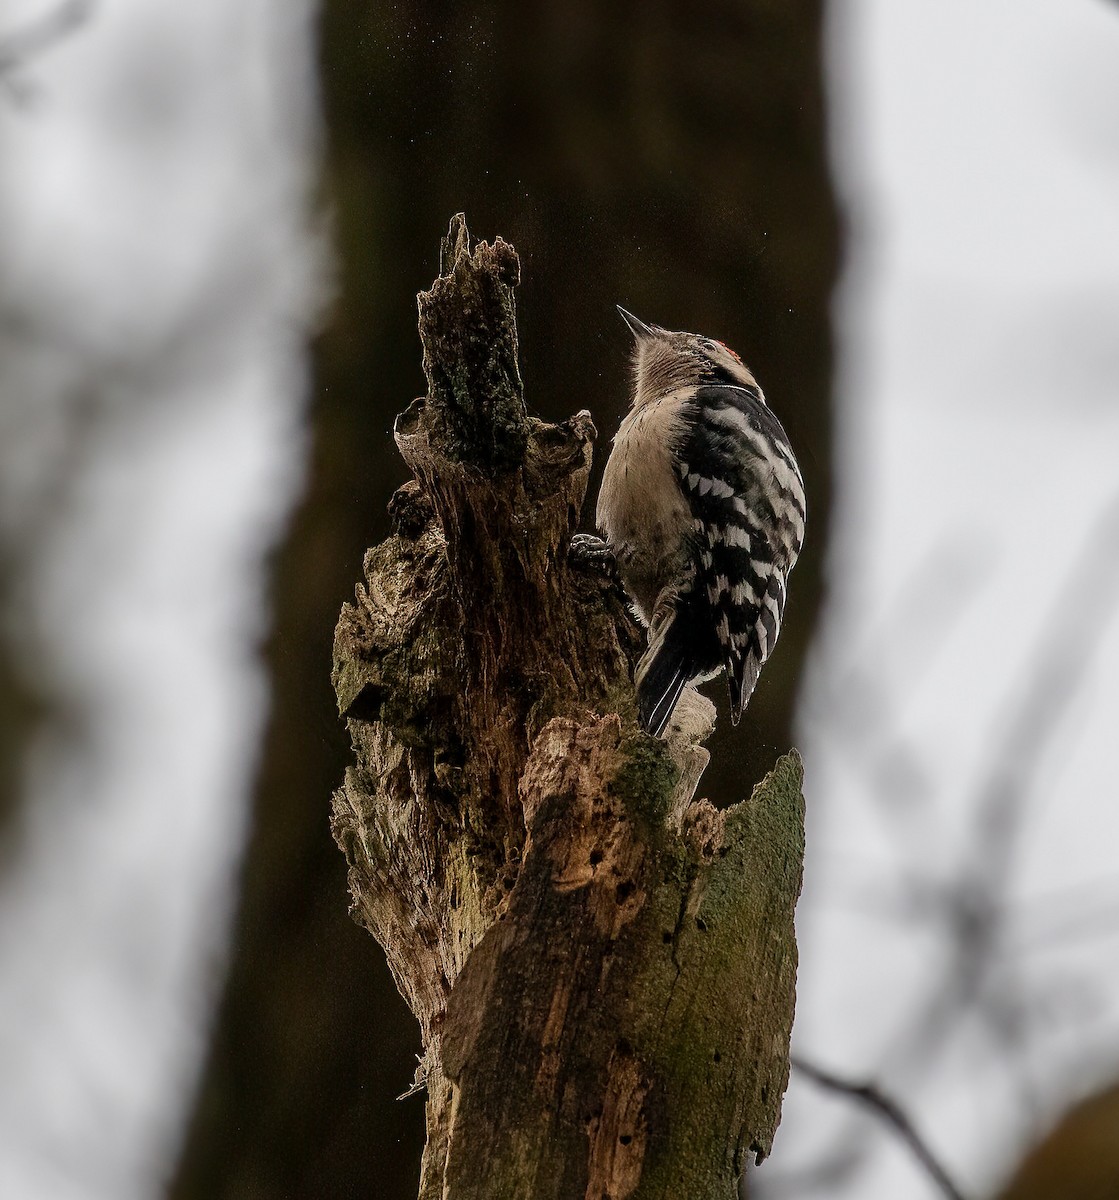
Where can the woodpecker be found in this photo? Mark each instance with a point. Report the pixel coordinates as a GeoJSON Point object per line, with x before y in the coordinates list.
{"type": "Point", "coordinates": [702, 505]}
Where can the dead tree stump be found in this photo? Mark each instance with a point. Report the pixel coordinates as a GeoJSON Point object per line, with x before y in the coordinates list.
{"type": "Point", "coordinates": [602, 967]}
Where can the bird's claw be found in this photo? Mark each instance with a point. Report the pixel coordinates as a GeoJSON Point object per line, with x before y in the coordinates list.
{"type": "Point", "coordinates": [588, 552]}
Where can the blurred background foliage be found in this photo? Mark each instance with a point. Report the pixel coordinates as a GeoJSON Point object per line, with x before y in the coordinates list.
{"type": "Point", "coordinates": [668, 157]}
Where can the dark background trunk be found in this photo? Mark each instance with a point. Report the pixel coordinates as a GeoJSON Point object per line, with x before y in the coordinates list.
{"type": "Point", "coordinates": [667, 157]}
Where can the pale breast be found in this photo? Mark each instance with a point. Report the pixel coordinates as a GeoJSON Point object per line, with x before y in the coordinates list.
{"type": "Point", "coordinates": [641, 509]}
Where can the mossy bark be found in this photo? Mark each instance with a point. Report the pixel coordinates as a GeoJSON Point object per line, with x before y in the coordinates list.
{"type": "Point", "coordinates": [602, 967]}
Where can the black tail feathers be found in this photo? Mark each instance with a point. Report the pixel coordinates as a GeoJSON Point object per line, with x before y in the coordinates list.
{"type": "Point", "coordinates": [742, 675]}
{"type": "Point", "coordinates": [662, 674]}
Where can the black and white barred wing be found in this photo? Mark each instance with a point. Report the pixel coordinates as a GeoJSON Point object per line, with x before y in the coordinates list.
{"type": "Point", "coordinates": [747, 500]}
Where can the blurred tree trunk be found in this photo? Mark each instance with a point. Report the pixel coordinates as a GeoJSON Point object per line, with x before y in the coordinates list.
{"type": "Point", "coordinates": [1078, 1159]}
{"type": "Point", "coordinates": [669, 157]}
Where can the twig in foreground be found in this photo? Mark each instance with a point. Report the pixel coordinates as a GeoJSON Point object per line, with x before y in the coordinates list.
{"type": "Point", "coordinates": [890, 1112]}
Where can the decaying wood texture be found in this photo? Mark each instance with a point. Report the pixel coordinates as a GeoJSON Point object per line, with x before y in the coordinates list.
{"type": "Point", "coordinates": [602, 967]}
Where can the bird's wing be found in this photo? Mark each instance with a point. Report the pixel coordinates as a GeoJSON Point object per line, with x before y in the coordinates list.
{"type": "Point", "coordinates": [747, 501]}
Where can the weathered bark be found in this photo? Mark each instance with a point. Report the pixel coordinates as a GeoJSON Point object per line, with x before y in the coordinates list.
{"type": "Point", "coordinates": [602, 967]}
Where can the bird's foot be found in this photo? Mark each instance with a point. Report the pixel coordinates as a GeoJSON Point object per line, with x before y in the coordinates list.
{"type": "Point", "coordinates": [590, 553]}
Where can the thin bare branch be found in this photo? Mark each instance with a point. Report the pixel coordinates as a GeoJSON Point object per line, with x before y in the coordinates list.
{"type": "Point", "coordinates": [890, 1111]}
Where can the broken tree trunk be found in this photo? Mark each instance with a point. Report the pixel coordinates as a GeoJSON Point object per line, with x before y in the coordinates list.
{"type": "Point", "coordinates": [602, 967]}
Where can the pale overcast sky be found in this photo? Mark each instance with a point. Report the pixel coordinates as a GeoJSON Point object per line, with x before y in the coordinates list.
{"type": "Point", "coordinates": [976, 567]}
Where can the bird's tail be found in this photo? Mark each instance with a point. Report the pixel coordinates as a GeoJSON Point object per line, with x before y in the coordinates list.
{"type": "Point", "coordinates": [663, 672]}
{"type": "Point", "coordinates": [742, 675]}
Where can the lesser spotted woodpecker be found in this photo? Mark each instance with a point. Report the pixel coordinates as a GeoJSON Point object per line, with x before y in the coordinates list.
{"type": "Point", "coordinates": [702, 505]}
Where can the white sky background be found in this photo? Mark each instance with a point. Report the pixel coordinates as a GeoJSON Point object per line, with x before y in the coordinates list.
{"type": "Point", "coordinates": [155, 285]}
{"type": "Point", "coordinates": [977, 148]}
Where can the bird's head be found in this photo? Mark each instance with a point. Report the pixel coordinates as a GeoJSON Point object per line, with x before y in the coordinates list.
{"type": "Point", "coordinates": [664, 360]}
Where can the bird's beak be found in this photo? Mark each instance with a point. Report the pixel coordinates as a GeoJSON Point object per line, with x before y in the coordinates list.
{"type": "Point", "coordinates": [638, 328]}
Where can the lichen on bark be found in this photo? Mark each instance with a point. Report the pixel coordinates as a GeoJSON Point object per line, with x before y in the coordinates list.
{"type": "Point", "coordinates": [602, 967]}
